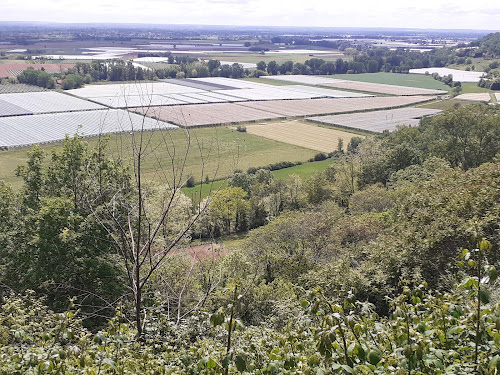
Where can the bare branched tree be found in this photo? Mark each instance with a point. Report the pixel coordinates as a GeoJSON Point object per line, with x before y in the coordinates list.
{"type": "Point", "coordinates": [143, 218]}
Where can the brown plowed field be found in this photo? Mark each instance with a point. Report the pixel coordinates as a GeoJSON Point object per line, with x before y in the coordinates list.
{"type": "Point", "coordinates": [12, 70]}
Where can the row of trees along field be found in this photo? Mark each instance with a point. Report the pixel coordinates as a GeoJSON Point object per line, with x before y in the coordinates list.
{"type": "Point", "coordinates": [370, 61]}
{"type": "Point", "coordinates": [385, 263]}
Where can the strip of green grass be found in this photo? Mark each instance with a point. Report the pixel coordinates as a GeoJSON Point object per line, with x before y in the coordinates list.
{"type": "Point", "coordinates": [471, 88]}
{"type": "Point", "coordinates": [443, 104]}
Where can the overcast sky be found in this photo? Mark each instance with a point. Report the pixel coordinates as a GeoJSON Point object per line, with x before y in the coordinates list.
{"type": "Point", "coordinates": [430, 14]}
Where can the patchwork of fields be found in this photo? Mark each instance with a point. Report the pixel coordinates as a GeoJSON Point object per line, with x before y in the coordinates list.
{"type": "Point", "coordinates": [229, 113]}
{"type": "Point", "coordinates": [199, 91]}
{"type": "Point", "coordinates": [33, 116]}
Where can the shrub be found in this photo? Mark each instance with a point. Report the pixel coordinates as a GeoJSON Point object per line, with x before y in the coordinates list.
{"type": "Point", "coordinates": [190, 181]}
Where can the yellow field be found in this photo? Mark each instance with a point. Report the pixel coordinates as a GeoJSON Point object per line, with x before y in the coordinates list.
{"type": "Point", "coordinates": [302, 134]}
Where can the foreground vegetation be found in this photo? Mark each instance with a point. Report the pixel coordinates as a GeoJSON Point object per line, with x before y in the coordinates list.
{"type": "Point", "coordinates": [383, 263]}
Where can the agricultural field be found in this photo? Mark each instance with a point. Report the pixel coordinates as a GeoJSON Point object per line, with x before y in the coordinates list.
{"type": "Point", "coordinates": [19, 88]}
{"type": "Point", "coordinates": [198, 91]}
{"type": "Point", "coordinates": [309, 107]}
{"type": "Point", "coordinates": [470, 88]}
{"type": "Point", "coordinates": [207, 114]}
{"type": "Point", "coordinates": [410, 80]}
{"type": "Point", "coordinates": [442, 104]}
{"type": "Point", "coordinates": [458, 75]}
{"type": "Point", "coordinates": [220, 149]}
{"type": "Point", "coordinates": [26, 103]}
{"type": "Point", "coordinates": [228, 113]}
{"type": "Point", "coordinates": [476, 97]}
{"type": "Point", "coordinates": [378, 88]}
{"type": "Point", "coordinates": [280, 58]}
{"type": "Point", "coordinates": [302, 134]}
{"type": "Point", "coordinates": [17, 131]}
{"type": "Point", "coordinates": [378, 121]}
{"type": "Point", "coordinates": [14, 69]}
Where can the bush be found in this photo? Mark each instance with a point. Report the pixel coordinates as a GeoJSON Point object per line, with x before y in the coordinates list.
{"type": "Point", "coordinates": [190, 181]}
{"type": "Point", "coordinates": [320, 156]}
{"type": "Point", "coordinates": [241, 129]}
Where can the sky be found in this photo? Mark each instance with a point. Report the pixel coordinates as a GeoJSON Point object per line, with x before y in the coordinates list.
{"type": "Point", "coordinates": [423, 14]}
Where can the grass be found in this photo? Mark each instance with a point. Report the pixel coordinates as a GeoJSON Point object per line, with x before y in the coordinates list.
{"type": "Point", "coordinates": [408, 80]}
{"type": "Point", "coordinates": [443, 104]}
{"type": "Point", "coordinates": [471, 88]}
{"type": "Point", "coordinates": [221, 149]}
{"type": "Point", "coordinates": [205, 190]}
{"type": "Point", "coordinates": [279, 58]}
{"type": "Point", "coordinates": [304, 171]}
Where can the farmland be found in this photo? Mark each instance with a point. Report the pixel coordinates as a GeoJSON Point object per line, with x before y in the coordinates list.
{"type": "Point", "coordinates": [378, 121]}
{"type": "Point", "coordinates": [221, 149]}
{"type": "Point", "coordinates": [302, 134]}
{"type": "Point", "coordinates": [379, 88]}
{"type": "Point", "coordinates": [410, 80]}
{"type": "Point", "coordinates": [477, 97]}
{"type": "Point", "coordinates": [458, 75]}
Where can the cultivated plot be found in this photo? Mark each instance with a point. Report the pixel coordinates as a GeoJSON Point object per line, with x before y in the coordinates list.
{"type": "Point", "coordinates": [302, 134]}
{"type": "Point", "coordinates": [231, 83]}
{"type": "Point", "coordinates": [132, 89]}
{"type": "Point", "coordinates": [458, 75]}
{"type": "Point", "coordinates": [196, 83]}
{"type": "Point", "coordinates": [34, 129]}
{"type": "Point", "coordinates": [19, 88]}
{"type": "Point", "coordinates": [44, 102]}
{"type": "Point", "coordinates": [268, 93]}
{"type": "Point", "coordinates": [9, 109]}
{"type": "Point", "coordinates": [322, 92]}
{"type": "Point", "coordinates": [378, 88]}
{"type": "Point", "coordinates": [207, 114]}
{"type": "Point", "coordinates": [476, 97]}
{"type": "Point", "coordinates": [378, 121]}
{"type": "Point", "coordinates": [308, 107]}
{"type": "Point", "coordinates": [12, 70]}
{"type": "Point", "coordinates": [133, 101]}
{"type": "Point", "coordinates": [301, 79]}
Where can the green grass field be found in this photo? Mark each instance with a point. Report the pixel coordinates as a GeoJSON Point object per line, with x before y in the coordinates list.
{"type": "Point", "coordinates": [443, 104]}
{"type": "Point", "coordinates": [304, 170]}
{"type": "Point", "coordinates": [279, 58]}
{"type": "Point", "coordinates": [469, 87]}
{"type": "Point", "coordinates": [409, 80]}
{"type": "Point", "coordinates": [220, 149]}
